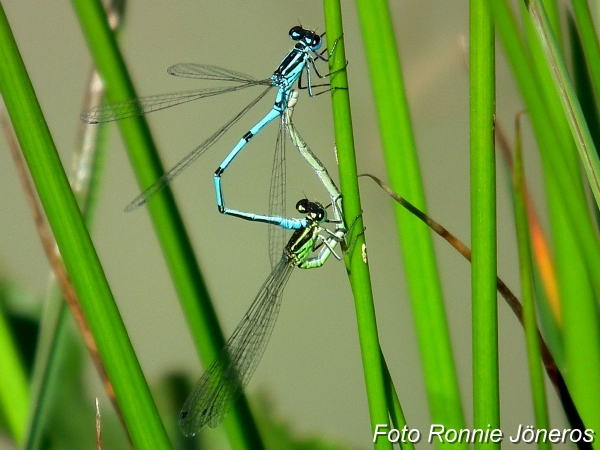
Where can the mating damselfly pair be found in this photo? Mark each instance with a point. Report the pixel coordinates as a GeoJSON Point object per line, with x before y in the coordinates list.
{"type": "Point", "coordinates": [227, 376]}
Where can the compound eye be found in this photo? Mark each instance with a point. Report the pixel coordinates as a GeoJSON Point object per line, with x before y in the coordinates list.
{"type": "Point", "coordinates": [296, 33]}
{"type": "Point", "coordinates": [315, 44]}
{"type": "Point", "coordinates": [318, 212]}
{"type": "Point", "coordinates": [302, 206]}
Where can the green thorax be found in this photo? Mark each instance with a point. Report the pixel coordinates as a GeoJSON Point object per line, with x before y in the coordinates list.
{"type": "Point", "coordinates": [302, 243]}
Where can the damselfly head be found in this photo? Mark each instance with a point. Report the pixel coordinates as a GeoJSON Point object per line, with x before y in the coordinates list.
{"type": "Point", "coordinates": [307, 37]}
{"type": "Point", "coordinates": [313, 210]}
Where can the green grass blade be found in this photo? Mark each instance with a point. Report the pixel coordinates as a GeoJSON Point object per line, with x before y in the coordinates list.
{"type": "Point", "coordinates": [578, 279]}
{"type": "Point", "coordinates": [564, 176]}
{"type": "Point", "coordinates": [584, 84]}
{"type": "Point", "coordinates": [80, 258]}
{"type": "Point", "coordinates": [486, 389]}
{"type": "Point", "coordinates": [394, 406]}
{"type": "Point", "coordinates": [14, 389]}
{"type": "Point", "coordinates": [570, 103]}
{"type": "Point", "coordinates": [176, 246]}
{"type": "Point", "coordinates": [553, 12]}
{"type": "Point", "coordinates": [85, 176]}
{"type": "Point", "coordinates": [569, 214]}
{"type": "Point", "coordinates": [536, 374]}
{"type": "Point", "coordinates": [357, 267]}
{"type": "Point", "coordinates": [576, 246]}
{"type": "Point", "coordinates": [417, 248]}
{"type": "Point", "coordinates": [546, 86]}
{"type": "Point", "coordinates": [52, 337]}
{"type": "Point", "coordinates": [591, 50]}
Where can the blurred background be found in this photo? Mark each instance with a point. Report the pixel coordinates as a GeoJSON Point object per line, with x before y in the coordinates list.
{"type": "Point", "coordinates": [311, 373]}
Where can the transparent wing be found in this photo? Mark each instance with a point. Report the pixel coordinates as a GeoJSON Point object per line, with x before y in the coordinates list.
{"type": "Point", "coordinates": [138, 106]}
{"type": "Point", "coordinates": [190, 158]}
{"type": "Point", "coordinates": [207, 72]}
{"type": "Point", "coordinates": [277, 197]}
{"type": "Point", "coordinates": [229, 374]}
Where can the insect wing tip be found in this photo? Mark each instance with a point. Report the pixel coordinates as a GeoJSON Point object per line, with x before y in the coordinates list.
{"type": "Point", "coordinates": [136, 203]}
{"type": "Point", "coordinates": [187, 423]}
{"type": "Point", "coordinates": [89, 117]}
